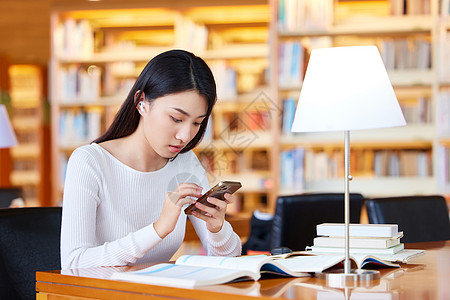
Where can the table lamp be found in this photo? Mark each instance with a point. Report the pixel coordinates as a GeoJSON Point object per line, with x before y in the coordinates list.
{"type": "Point", "coordinates": [7, 137]}
{"type": "Point", "coordinates": [346, 88]}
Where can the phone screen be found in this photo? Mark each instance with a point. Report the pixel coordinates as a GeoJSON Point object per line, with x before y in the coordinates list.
{"type": "Point", "coordinates": [217, 191]}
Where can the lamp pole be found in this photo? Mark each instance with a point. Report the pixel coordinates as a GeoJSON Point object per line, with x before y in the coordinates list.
{"type": "Point", "coordinates": [348, 177]}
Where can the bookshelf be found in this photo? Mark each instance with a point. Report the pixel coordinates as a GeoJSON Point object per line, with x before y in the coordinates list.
{"type": "Point", "coordinates": [259, 55]}
{"type": "Point", "coordinates": [5, 154]}
{"type": "Point", "coordinates": [443, 98]}
{"type": "Point", "coordinates": [30, 120]}
{"type": "Point", "coordinates": [412, 41]}
{"type": "Point", "coordinates": [105, 49]}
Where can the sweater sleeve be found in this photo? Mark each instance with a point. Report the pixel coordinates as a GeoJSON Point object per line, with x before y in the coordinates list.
{"type": "Point", "coordinates": [78, 230]}
{"type": "Point", "coordinates": [223, 243]}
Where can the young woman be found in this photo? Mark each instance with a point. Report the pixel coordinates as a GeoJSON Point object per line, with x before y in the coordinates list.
{"type": "Point", "coordinates": [124, 194]}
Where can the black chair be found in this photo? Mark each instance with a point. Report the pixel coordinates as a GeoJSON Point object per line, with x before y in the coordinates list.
{"type": "Point", "coordinates": [7, 195]}
{"type": "Point", "coordinates": [29, 242]}
{"type": "Point", "coordinates": [259, 237]}
{"type": "Point", "coordinates": [421, 218]}
{"type": "Point", "coordinates": [295, 219]}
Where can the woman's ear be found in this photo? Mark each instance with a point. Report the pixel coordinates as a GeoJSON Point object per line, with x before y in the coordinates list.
{"type": "Point", "coordinates": [138, 98]}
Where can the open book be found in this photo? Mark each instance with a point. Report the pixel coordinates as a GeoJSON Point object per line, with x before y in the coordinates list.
{"type": "Point", "coordinates": [197, 270]}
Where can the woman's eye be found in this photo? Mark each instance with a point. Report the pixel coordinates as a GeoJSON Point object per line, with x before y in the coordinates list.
{"type": "Point", "coordinates": [176, 120]}
{"type": "Point", "coordinates": [197, 123]}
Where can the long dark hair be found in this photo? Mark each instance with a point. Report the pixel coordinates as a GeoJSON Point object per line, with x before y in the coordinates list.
{"type": "Point", "coordinates": [170, 72]}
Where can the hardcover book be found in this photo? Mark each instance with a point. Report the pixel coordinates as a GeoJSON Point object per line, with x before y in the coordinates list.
{"type": "Point", "coordinates": [358, 242]}
{"type": "Point", "coordinates": [375, 251]}
{"type": "Point", "coordinates": [362, 230]}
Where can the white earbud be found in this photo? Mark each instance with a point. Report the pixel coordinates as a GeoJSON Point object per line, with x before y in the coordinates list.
{"type": "Point", "coordinates": [141, 106]}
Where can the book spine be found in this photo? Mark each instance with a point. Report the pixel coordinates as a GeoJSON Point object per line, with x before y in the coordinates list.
{"type": "Point", "coordinates": [357, 243]}
{"type": "Point", "coordinates": [357, 230]}
{"type": "Point", "coordinates": [340, 250]}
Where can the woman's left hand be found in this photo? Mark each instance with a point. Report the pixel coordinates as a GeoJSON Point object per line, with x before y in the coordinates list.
{"type": "Point", "coordinates": [213, 216]}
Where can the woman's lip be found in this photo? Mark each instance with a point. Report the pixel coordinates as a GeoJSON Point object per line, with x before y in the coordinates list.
{"type": "Point", "coordinates": [175, 148]}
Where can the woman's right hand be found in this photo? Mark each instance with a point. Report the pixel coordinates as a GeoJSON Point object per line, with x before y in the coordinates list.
{"type": "Point", "coordinates": [173, 204]}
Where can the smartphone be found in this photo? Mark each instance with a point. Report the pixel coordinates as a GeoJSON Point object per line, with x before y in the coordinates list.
{"type": "Point", "coordinates": [216, 191]}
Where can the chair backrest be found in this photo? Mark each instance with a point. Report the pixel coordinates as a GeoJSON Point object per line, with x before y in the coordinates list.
{"type": "Point", "coordinates": [421, 218]}
{"type": "Point", "coordinates": [296, 217]}
{"type": "Point", "coordinates": [260, 230]}
{"type": "Point", "coordinates": [7, 195]}
{"type": "Point", "coordinates": [29, 242]}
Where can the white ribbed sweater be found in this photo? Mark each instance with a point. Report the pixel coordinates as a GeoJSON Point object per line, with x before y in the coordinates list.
{"type": "Point", "coordinates": [109, 210]}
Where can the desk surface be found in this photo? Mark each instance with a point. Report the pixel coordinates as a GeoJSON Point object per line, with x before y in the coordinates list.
{"type": "Point", "coordinates": [426, 277]}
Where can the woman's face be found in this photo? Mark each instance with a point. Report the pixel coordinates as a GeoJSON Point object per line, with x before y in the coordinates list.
{"type": "Point", "coordinates": [171, 122]}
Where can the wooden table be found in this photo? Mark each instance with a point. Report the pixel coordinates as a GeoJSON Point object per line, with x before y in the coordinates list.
{"type": "Point", "coordinates": [426, 277]}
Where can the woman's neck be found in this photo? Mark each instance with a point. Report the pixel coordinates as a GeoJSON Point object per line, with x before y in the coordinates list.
{"type": "Point", "coordinates": [135, 153]}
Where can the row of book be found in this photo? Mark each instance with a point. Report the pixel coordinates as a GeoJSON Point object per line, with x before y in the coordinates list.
{"type": "Point", "coordinates": [84, 84]}
{"type": "Point", "coordinates": [192, 36]}
{"type": "Point", "coordinates": [287, 118]}
{"type": "Point", "coordinates": [73, 39]}
{"type": "Point", "coordinates": [292, 64]}
{"type": "Point", "coordinates": [292, 169]}
{"type": "Point", "coordinates": [230, 162]}
{"type": "Point", "coordinates": [397, 54]}
{"type": "Point", "coordinates": [63, 160]}
{"type": "Point", "coordinates": [416, 111]}
{"type": "Point", "coordinates": [76, 39]}
{"type": "Point", "coordinates": [79, 126]}
{"type": "Point", "coordinates": [410, 7]}
{"type": "Point", "coordinates": [403, 163]}
{"type": "Point", "coordinates": [221, 163]}
{"type": "Point", "coordinates": [241, 123]}
{"type": "Point", "coordinates": [79, 84]}
{"type": "Point", "coordinates": [310, 15]}
{"type": "Point", "coordinates": [409, 53]}
{"type": "Point", "coordinates": [444, 56]}
{"type": "Point", "coordinates": [226, 80]}
{"type": "Point", "coordinates": [234, 79]}
{"type": "Point", "coordinates": [25, 165]}
{"type": "Point", "coordinates": [443, 113]}
{"type": "Point", "coordinates": [443, 174]}
{"type": "Point", "coordinates": [445, 8]}
{"type": "Point", "coordinates": [299, 165]}
{"type": "Point", "coordinates": [302, 15]}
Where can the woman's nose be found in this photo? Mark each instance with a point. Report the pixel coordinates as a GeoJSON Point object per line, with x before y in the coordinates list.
{"type": "Point", "coordinates": [184, 133]}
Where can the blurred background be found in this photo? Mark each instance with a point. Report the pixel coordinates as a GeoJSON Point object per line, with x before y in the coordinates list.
{"type": "Point", "coordinates": [66, 66]}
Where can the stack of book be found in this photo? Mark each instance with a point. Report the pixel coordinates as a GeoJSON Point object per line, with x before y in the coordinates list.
{"type": "Point", "coordinates": [364, 239]}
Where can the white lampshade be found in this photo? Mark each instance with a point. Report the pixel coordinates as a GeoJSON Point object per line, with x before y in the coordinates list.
{"type": "Point", "coordinates": [7, 137]}
{"type": "Point", "coordinates": [346, 88]}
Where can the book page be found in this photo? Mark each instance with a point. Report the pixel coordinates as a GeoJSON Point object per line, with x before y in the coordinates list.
{"type": "Point", "coordinates": [251, 263]}
{"type": "Point", "coordinates": [308, 263]}
{"type": "Point", "coordinates": [182, 276]}
{"type": "Point", "coordinates": [403, 256]}
{"type": "Point", "coordinates": [363, 260]}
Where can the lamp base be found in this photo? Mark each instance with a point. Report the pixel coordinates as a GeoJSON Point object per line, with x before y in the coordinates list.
{"type": "Point", "coordinates": [337, 278]}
